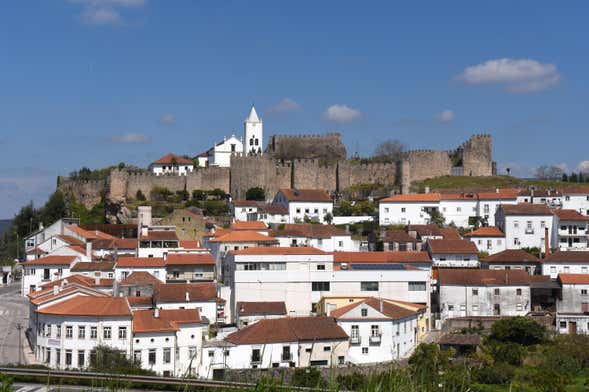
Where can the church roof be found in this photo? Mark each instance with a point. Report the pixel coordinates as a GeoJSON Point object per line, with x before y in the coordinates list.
{"type": "Point", "coordinates": [253, 116]}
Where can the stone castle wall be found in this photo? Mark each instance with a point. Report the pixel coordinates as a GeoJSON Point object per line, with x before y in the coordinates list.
{"type": "Point", "coordinates": [327, 146]}
{"type": "Point", "coordinates": [272, 174]}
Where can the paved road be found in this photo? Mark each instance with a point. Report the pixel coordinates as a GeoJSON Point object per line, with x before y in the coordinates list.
{"type": "Point", "coordinates": [13, 310]}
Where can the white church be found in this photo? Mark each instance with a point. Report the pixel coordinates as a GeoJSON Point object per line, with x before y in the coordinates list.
{"type": "Point", "coordinates": [251, 144]}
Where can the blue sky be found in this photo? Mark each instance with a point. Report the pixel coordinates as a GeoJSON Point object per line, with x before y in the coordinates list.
{"type": "Point", "coordinates": [96, 82]}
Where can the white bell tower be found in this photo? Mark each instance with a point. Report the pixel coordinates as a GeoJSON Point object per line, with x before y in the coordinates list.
{"type": "Point", "coordinates": [254, 134]}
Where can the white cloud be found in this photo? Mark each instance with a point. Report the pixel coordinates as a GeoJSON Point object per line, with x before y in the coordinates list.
{"type": "Point", "coordinates": [446, 116]}
{"type": "Point", "coordinates": [518, 76]}
{"type": "Point", "coordinates": [285, 105]}
{"type": "Point", "coordinates": [168, 119]}
{"type": "Point", "coordinates": [583, 167]}
{"type": "Point", "coordinates": [130, 138]}
{"type": "Point", "coordinates": [104, 12]}
{"type": "Point", "coordinates": [342, 114]}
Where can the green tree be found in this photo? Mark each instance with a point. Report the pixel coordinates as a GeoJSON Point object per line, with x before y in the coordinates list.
{"type": "Point", "coordinates": [520, 330]}
{"type": "Point", "coordinates": [328, 218]}
{"type": "Point", "coordinates": [437, 218]}
{"type": "Point", "coordinates": [104, 359]}
{"type": "Point", "coordinates": [54, 209]}
{"type": "Point", "coordinates": [428, 363]}
{"type": "Point", "coordinates": [255, 193]}
{"type": "Point", "coordinates": [139, 196]}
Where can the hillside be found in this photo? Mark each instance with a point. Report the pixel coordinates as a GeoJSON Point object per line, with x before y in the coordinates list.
{"type": "Point", "coordinates": [473, 183]}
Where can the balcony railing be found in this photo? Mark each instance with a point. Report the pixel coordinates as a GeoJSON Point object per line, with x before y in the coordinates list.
{"type": "Point", "coordinates": [375, 339]}
{"type": "Point", "coordinates": [355, 340]}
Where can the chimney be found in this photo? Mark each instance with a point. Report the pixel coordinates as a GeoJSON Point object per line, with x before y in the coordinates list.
{"type": "Point", "coordinates": [187, 297]}
{"type": "Point", "coordinates": [97, 281]}
{"type": "Point", "coordinates": [165, 256]}
{"type": "Point", "coordinates": [89, 250]}
{"type": "Point", "coordinates": [426, 189]}
{"type": "Point", "coordinates": [381, 305]}
{"type": "Point", "coordinates": [55, 290]}
{"type": "Point", "coordinates": [40, 225]}
{"type": "Point", "coordinates": [156, 313]}
{"type": "Point", "coordinates": [546, 242]}
{"type": "Point", "coordinates": [496, 190]}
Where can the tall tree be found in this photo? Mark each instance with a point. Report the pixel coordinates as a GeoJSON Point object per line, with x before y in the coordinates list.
{"type": "Point", "coordinates": [389, 151]}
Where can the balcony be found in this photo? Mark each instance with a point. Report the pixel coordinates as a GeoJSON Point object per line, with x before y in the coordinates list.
{"type": "Point", "coordinates": [375, 340]}
{"type": "Point", "coordinates": [529, 231]}
{"type": "Point", "coordinates": [355, 340]}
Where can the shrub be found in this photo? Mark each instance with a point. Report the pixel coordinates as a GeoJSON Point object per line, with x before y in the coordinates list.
{"type": "Point", "coordinates": [351, 382]}
{"type": "Point", "coordinates": [255, 193]}
{"type": "Point", "coordinates": [160, 193]}
{"type": "Point", "coordinates": [308, 377]}
{"type": "Point", "coordinates": [139, 196]}
{"type": "Point", "coordinates": [510, 353]}
{"type": "Point", "coordinates": [500, 373]}
{"type": "Point", "coordinates": [520, 330]}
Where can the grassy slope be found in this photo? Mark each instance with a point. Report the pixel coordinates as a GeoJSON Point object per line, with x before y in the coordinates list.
{"type": "Point", "coordinates": [456, 182]}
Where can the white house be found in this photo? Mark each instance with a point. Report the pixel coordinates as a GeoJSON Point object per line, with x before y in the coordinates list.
{"type": "Point", "coordinates": [300, 276]}
{"type": "Point", "coordinates": [313, 204]}
{"type": "Point", "coordinates": [69, 330]}
{"type": "Point", "coordinates": [525, 225]}
{"type": "Point", "coordinates": [220, 154]}
{"type": "Point", "coordinates": [570, 230]}
{"type": "Point", "coordinates": [172, 164]}
{"type": "Point", "coordinates": [565, 262]}
{"type": "Point", "coordinates": [250, 210]}
{"type": "Point", "coordinates": [408, 208]}
{"type": "Point", "coordinates": [379, 330]}
{"type": "Point", "coordinates": [572, 308]}
{"type": "Point", "coordinates": [46, 269]}
{"type": "Point", "coordinates": [155, 266]}
{"type": "Point", "coordinates": [249, 313]}
{"type": "Point", "coordinates": [42, 234]}
{"type": "Point", "coordinates": [168, 342]}
{"type": "Point", "coordinates": [202, 296]}
{"type": "Point", "coordinates": [483, 293]}
{"type": "Point", "coordinates": [515, 259]}
{"type": "Point", "coordinates": [576, 199]}
{"type": "Point", "coordinates": [487, 239]}
{"type": "Point", "coordinates": [281, 342]}
{"type": "Point", "coordinates": [453, 253]}
{"type": "Point", "coordinates": [325, 237]}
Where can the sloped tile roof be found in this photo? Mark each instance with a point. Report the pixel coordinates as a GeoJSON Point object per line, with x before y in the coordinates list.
{"type": "Point", "coordinates": [261, 308]}
{"type": "Point", "coordinates": [89, 306]}
{"type": "Point", "coordinates": [479, 277]}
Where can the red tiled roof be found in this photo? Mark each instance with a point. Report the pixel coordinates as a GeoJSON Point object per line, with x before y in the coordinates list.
{"type": "Point", "coordinates": [261, 308]}
{"type": "Point", "coordinates": [274, 209]}
{"type": "Point", "coordinates": [126, 243]}
{"type": "Point", "coordinates": [412, 198]}
{"type": "Point", "coordinates": [249, 225]}
{"type": "Point", "coordinates": [160, 235]}
{"type": "Point", "coordinates": [140, 301]}
{"type": "Point", "coordinates": [140, 278]}
{"type": "Point", "coordinates": [244, 236]}
{"type": "Point", "coordinates": [140, 262]}
{"type": "Point", "coordinates": [389, 310]}
{"type": "Point", "coordinates": [318, 195]}
{"type": "Point", "coordinates": [570, 215]}
{"type": "Point", "coordinates": [270, 250]}
{"type": "Point", "coordinates": [452, 247]}
{"type": "Point", "coordinates": [398, 236]}
{"type": "Point", "coordinates": [168, 158]}
{"type": "Point", "coordinates": [479, 277]}
{"type": "Point", "coordinates": [289, 329]}
{"type": "Point", "coordinates": [490, 231]}
{"type": "Point", "coordinates": [190, 244]}
{"type": "Point", "coordinates": [93, 266]}
{"type": "Point", "coordinates": [450, 233]}
{"type": "Point", "coordinates": [511, 256]}
{"type": "Point", "coordinates": [190, 259]}
{"type": "Point", "coordinates": [52, 260]}
{"type": "Point", "coordinates": [567, 257]}
{"type": "Point", "coordinates": [526, 209]}
{"type": "Point", "coordinates": [168, 319]}
{"type": "Point", "coordinates": [68, 239]}
{"type": "Point", "coordinates": [245, 203]}
{"type": "Point", "coordinates": [574, 278]}
{"type": "Point", "coordinates": [381, 257]}
{"type": "Point", "coordinates": [197, 292]}
{"type": "Point", "coordinates": [426, 230]}
{"type": "Point", "coordinates": [89, 306]}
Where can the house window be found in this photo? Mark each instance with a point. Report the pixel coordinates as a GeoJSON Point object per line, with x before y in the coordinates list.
{"type": "Point", "coordinates": [341, 360]}
{"type": "Point", "coordinates": [316, 210]}
{"type": "Point", "coordinates": [450, 307]}
{"type": "Point", "coordinates": [93, 332]}
{"type": "Point", "coordinates": [519, 307]}
{"type": "Point", "coordinates": [340, 244]}
{"type": "Point", "coordinates": [583, 291]}
{"type": "Point", "coordinates": [151, 356]}
{"type": "Point", "coordinates": [563, 324]}
{"type": "Point", "coordinates": [403, 209]}
{"type": "Point", "coordinates": [69, 332]}
{"type": "Point", "coordinates": [326, 348]}
{"type": "Point", "coordinates": [68, 357]}
{"type": "Point", "coordinates": [364, 350]}
{"type": "Point", "coordinates": [298, 210]}
{"type": "Point", "coordinates": [496, 291]}
{"type": "Point", "coordinates": [475, 307]}
{"type": "Point", "coordinates": [122, 332]}
{"type": "Point", "coordinates": [81, 359]}
{"type": "Point", "coordinates": [518, 292]}
{"type": "Point", "coordinates": [256, 357]}
{"type": "Point", "coordinates": [552, 270]}
{"type": "Point", "coordinates": [58, 331]}
{"type": "Point", "coordinates": [374, 330]}
{"type": "Point", "coordinates": [386, 210]}
{"type": "Point", "coordinates": [516, 241]}
{"type": "Point", "coordinates": [364, 312]}
{"type": "Point", "coordinates": [107, 332]}
{"type": "Point", "coordinates": [417, 286]}
{"type": "Point", "coordinates": [369, 286]}
{"type": "Point", "coordinates": [319, 286]}
{"type": "Point", "coordinates": [167, 355]}
{"type": "Point", "coordinates": [475, 292]}
{"type": "Point", "coordinates": [81, 332]}
{"type": "Point", "coordinates": [320, 267]}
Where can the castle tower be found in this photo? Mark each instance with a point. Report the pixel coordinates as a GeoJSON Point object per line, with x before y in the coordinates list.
{"type": "Point", "coordinates": [254, 134]}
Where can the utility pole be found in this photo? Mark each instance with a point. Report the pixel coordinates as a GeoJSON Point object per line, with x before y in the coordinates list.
{"type": "Point", "coordinates": [19, 329]}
